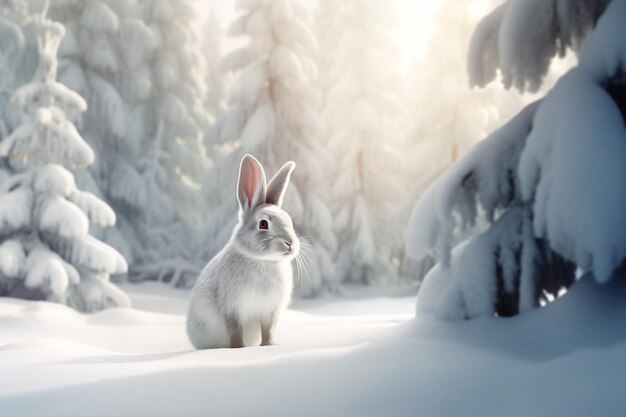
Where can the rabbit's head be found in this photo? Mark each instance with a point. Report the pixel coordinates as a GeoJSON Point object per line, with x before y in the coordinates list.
{"type": "Point", "coordinates": [265, 231]}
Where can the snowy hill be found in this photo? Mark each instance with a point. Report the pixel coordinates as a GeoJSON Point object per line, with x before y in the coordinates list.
{"type": "Point", "coordinates": [336, 357]}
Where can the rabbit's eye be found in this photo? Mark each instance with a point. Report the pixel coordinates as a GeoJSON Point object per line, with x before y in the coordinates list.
{"type": "Point", "coordinates": [263, 224]}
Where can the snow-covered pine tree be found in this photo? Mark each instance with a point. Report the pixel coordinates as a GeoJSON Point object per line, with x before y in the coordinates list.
{"type": "Point", "coordinates": [273, 115]}
{"type": "Point", "coordinates": [179, 92]}
{"type": "Point", "coordinates": [91, 63]}
{"type": "Point", "coordinates": [145, 93]}
{"type": "Point", "coordinates": [363, 120]}
{"type": "Point", "coordinates": [46, 251]}
{"type": "Point", "coordinates": [175, 158]}
{"type": "Point", "coordinates": [548, 184]}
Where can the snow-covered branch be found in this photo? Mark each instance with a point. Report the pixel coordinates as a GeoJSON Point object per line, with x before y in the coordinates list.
{"type": "Point", "coordinates": [548, 182]}
{"type": "Point", "coordinates": [521, 37]}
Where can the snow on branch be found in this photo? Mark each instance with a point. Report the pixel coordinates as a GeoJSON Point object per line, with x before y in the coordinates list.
{"type": "Point", "coordinates": [483, 58]}
{"type": "Point", "coordinates": [556, 191]}
{"type": "Point", "coordinates": [47, 137]}
{"type": "Point", "coordinates": [45, 269]}
{"type": "Point", "coordinates": [12, 257]}
{"type": "Point", "coordinates": [138, 40]}
{"type": "Point", "coordinates": [90, 254]}
{"type": "Point", "coordinates": [108, 104]}
{"type": "Point", "coordinates": [97, 211]}
{"type": "Point", "coordinates": [485, 178]}
{"type": "Point", "coordinates": [604, 55]}
{"type": "Point", "coordinates": [52, 179]}
{"type": "Point", "coordinates": [46, 250]}
{"type": "Point", "coordinates": [62, 218]}
{"type": "Point", "coordinates": [503, 271]}
{"type": "Point", "coordinates": [14, 210]}
{"type": "Point", "coordinates": [572, 179]}
{"type": "Point", "coordinates": [95, 293]}
{"type": "Point", "coordinates": [521, 37]}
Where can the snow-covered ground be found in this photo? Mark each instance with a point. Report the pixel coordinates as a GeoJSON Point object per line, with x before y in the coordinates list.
{"type": "Point", "coordinates": [355, 356]}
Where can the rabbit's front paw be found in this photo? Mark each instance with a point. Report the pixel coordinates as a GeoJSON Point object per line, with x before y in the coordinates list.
{"type": "Point", "coordinates": [236, 340]}
{"type": "Point", "coordinates": [236, 336]}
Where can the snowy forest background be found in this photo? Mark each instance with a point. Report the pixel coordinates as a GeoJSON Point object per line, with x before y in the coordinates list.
{"type": "Point", "coordinates": [123, 123]}
{"type": "Point", "coordinates": [460, 163]}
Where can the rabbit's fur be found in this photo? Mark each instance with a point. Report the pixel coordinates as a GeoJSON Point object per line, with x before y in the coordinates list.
{"type": "Point", "coordinates": [250, 280]}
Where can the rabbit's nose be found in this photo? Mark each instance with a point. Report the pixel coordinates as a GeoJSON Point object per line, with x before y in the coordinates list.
{"type": "Point", "coordinates": [287, 243]}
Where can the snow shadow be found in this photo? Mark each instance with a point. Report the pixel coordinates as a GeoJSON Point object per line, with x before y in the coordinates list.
{"type": "Point", "coordinates": [589, 316]}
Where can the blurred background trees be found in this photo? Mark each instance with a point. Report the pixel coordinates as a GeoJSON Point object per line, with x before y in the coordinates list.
{"type": "Point", "coordinates": [370, 98]}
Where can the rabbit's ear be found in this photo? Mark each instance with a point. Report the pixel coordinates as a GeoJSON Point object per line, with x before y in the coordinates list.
{"type": "Point", "coordinates": [251, 184]}
{"type": "Point", "coordinates": [278, 184]}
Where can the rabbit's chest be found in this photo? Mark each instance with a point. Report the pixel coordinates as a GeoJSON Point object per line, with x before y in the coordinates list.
{"type": "Point", "coordinates": [269, 293]}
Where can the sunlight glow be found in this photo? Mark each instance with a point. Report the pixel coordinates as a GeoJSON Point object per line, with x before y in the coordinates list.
{"type": "Point", "coordinates": [416, 19]}
{"type": "Point", "coordinates": [416, 23]}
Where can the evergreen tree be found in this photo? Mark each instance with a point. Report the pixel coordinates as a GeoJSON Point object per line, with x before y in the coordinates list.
{"type": "Point", "coordinates": [547, 184]}
{"type": "Point", "coordinates": [137, 64]}
{"type": "Point", "coordinates": [91, 62]}
{"type": "Point", "coordinates": [363, 120]}
{"type": "Point", "coordinates": [175, 158]}
{"type": "Point", "coordinates": [46, 251]}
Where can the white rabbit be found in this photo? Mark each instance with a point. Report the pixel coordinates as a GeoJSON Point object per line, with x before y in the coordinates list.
{"type": "Point", "coordinates": [250, 280]}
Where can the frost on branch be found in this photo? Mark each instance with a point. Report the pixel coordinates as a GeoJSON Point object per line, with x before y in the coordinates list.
{"type": "Point", "coordinates": [46, 251]}
{"type": "Point", "coordinates": [521, 37]}
{"type": "Point", "coordinates": [556, 208]}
